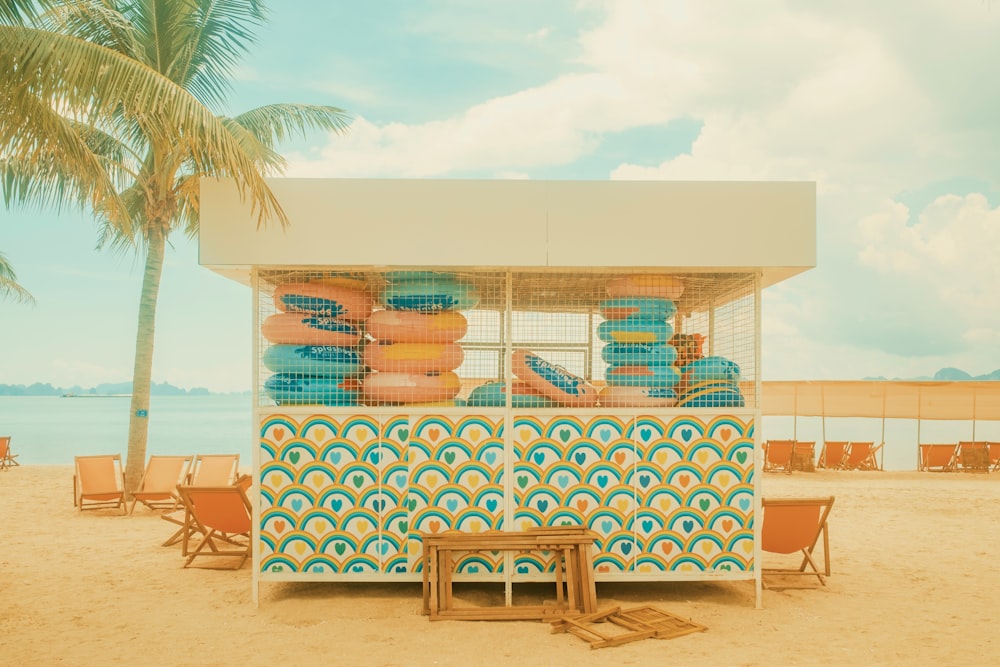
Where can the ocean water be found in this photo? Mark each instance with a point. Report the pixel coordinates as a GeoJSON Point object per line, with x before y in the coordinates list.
{"type": "Point", "coordinates": [52, 430]}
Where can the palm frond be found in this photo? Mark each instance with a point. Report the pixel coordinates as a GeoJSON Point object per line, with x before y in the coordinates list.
{"type": "Point", "coordinates": [39, 142]}
{"type": "Point", "coordinates": [91, 81]}
{"type": "Point", "coordinates": [22, 12]}
{"type": "Point", "coordinates": [211, 36]}
{"type": "Point", "coordinates": [274, 123]}
{"type": "Point", "coordinates": [9, 287]}
{"type": "Point", "coordinates": [94, 22]}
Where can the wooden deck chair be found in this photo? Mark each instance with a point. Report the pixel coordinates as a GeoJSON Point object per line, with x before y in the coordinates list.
{"type": "Point", "coordinates": [833, 455]}
{"type": "Point", "coordinates": [778, 455]}
{"type": "Point", "coordinates": [974, 456]}
{"type": "Point", "coordinates": [207, 470]}
{"type": "Point", "coordinates": [157, 489]}
{"type": "Point", "coordinates": [217, 512]}
{"type": "Point", "coordinates": [938, 457]}
{"type": "Point", "coordinates": [7, 459]}
{"type": "Point", "coordinates": [795, 525]}
{"type": "Point", "coordinates": [994, 449]}
{"type": "Point", "coordinates": [214, 469]}
{"type": "Point", "coordinates": [862, 456]}
{"type": "Point", "coordinates": [804, 456]}
{"type": "Point", "coordinates": [99, 482]}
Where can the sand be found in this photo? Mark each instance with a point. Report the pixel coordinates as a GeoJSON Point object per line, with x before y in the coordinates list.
{"type": "Point", "coordinates": [914, 583]}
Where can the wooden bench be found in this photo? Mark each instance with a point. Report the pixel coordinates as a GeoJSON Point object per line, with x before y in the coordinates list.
{"type": "Point", "coordinates": [574, 572]}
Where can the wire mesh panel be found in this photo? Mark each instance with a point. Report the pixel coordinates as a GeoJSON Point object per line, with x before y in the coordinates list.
{"type": "Point", "coordinates": [576, 339]}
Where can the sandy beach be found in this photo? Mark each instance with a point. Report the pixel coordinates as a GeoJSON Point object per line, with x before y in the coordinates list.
{"type": "Point", "coordinates": [913, 583]}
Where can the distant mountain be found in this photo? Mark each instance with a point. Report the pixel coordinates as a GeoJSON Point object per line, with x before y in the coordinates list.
{"type": "Point", "coordinates": [948, 375]}
{"type": "Point", "coordinates": [105, 389]}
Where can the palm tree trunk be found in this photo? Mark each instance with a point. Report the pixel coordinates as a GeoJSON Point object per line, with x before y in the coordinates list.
{"type": "Point", "coordinates": [142, 373]}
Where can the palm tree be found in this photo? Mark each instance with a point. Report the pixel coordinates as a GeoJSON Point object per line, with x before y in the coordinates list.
{"type": "Point", "coordinates": [115, 102]}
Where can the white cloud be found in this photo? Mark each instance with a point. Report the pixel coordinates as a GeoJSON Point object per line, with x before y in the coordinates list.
{"type": "Point", "coordinates": [851, 95]}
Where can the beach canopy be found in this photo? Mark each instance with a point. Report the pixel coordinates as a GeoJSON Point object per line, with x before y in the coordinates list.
{"type": "Point", "coordinates": [885, 399]}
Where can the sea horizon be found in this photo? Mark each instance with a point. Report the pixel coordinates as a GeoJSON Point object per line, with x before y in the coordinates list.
{"type": "Point", "coordinates": [50, 430]}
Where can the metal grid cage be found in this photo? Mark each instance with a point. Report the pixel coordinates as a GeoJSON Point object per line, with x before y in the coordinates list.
{"type": "Point", "coordinates": [498, 338]}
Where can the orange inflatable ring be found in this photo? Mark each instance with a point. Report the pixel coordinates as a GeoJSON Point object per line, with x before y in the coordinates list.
{"type": "Point", "coordinates": [646, 284]}
{"type": "Point", "coordinates": [308, 329]}
{"type": "Point", "coordinates": [552, 381]}
{"type": "Point", "coordinates": [325, 300]}
{"type": "Point", "coordinates": [407, 326]}
{"type": "Point", "coordinates": [414, 357]}
{"type": "Point", "coordinates": [411, 387]}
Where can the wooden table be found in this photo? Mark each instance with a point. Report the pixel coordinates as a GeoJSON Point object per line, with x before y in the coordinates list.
{"type": "Point", "coordinates": [574, 572]}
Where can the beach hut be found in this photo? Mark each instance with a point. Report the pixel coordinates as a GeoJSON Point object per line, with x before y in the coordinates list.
{"type": "Point", "coordinates": [466, 355]}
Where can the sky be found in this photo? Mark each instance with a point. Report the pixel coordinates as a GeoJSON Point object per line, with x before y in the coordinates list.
{"type": "Point", "coordinates": [891, 108]}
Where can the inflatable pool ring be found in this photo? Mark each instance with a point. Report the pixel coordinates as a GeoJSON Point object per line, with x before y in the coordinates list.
{"type": "Point", "coordinates": [414, 357]}
{"type": "Point", "coordinates": [405, 326]}
{"type": "Point", "coordinates": [291, 389]}
{"type": "Point", "coordinates": [712, 394]}
{"type": "Point", "coordinates": [638, 354]}
{"type": "Point", "coordinates": [429, 296]}
{"type": "Point", "coordinates": [667, 287]}
{"type": "Point", "coordinates": [315, 360]}
{"type": "Point", "coordinates": [635, 330]}
{"type": "Point", "coordinates": [388, 388]}
{"type": "Point", "coordinates": [342, 279]}
{"type": "Point", "coordinates": [415, 276]}
{"type": "Point", "coordinates": [552, 381]}
{"type": "Point", "coordinates": [709, 369]}
{"type": "Point", "coordinates": [643, 376]}
{"type": "Point", "coordinates": [306, 329]}
{"type": "Point", "coordinates": [688, 346]}
{"type": "Point", "coordinates": [650, 307]}
{"type": "Point", "coordinates": [321, 299]}
{"type": "Point", "coordinates": [637, 397]}
{"type": "Point", "coordinates": [494, 395]}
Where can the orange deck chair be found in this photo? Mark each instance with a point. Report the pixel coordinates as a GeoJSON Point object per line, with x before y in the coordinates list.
{"type": "Point", "coordinates": [7, 459]}
{"type": "Point", "coordinates": [862, 456]}
{"type": "Point", "coordinates": [99, 482]}
{"type": "Point", "coordinates": [217, 512]}
{"type": "Point", "coordinates": [994, 448]}
{"type": "Point", "coordinates": [833, 455]}
{"type": "Point", "coordinates": [214, 469]}
{"type": "Point", "coordinates": [974, 456]}
{"type": "Point", "coordinates": [795, 525]}
{"type": "Point", "coordinates": [938, 457]}
{"type": "Point", "coordinates": [206, 470]}
{"type": "Point", "coordinates": [157, 489]}
{"type": "Point", "coordinates": [778, 455]}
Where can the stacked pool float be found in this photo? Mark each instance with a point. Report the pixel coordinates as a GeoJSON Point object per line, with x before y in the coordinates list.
{"type": "Point", "coordinates": [636, 329]}
{"type": "Point", "coordinates": [315, 337]}
{"type": "Point", "coordinates": [415, 350]}
{"type": "Point", "coordinates": [711, 382]}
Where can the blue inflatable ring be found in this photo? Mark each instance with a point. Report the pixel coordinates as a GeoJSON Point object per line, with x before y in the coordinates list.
{"type": "Point", "coordinates": [292, 389]}
{"type": "Point", "coordinates": [639, 354]}
{"type": "Point", "coordinates": [712, 368]}
{"type": "Point", "coordinates": [649, 307]}
{"type": "Point", "coordinates": [635, 330]}
{"type": "Point", "coordinates": [494, 395]}
{"type": "Point", "coordinates": [429, 296]}
{"type": "Point", "coordinates": [315, 360]}
{"type": "Point", "coordinates": [643, 376]}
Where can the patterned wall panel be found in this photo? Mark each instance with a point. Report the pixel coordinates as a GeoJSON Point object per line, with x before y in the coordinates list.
{"type": "Point", "coordinates": [456, 482]}
{"type": "Point", "coordinates": [320, 494]}
{"type": "Point", "coordinates": [349, 495]}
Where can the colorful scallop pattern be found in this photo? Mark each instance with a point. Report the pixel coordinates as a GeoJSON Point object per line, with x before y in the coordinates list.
{"type": "Point", "coordinates": [349, 495]}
